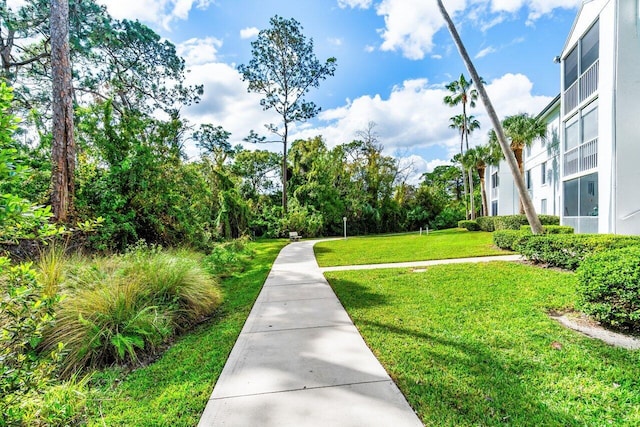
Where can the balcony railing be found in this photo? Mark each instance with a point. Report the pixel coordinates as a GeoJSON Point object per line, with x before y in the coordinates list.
{"type": "Point", "coordinates": [582, 89]}
{"type": "Point", "coordinates": [581, 158]}
{"type": "Point", "coordinates": [589, 81]}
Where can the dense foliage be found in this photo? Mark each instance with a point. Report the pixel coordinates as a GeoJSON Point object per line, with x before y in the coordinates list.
{"type": "Point", "coordinates": [569, 250]}
{"type": "Point", "coordinates": [609, 287]}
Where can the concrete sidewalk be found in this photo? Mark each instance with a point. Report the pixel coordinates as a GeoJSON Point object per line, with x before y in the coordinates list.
{"type": "Point", "coordinates": [424, 263]}
{"type": "Point", "coordinates": [300, 361]}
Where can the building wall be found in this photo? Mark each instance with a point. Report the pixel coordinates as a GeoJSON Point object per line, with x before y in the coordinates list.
{"type": "Point", "coordinates": [546, 152]}
{"type": "Point", "coordinates": [626, 89]}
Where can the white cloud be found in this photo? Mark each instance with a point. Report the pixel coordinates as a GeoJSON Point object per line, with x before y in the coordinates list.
{"type": "Point", "coordinates": [411, 24]}
{"type": "Point", "coordinates": [369, 48]}
{"type": "Point", "coordinates": [484, 52]}
{"type": "Point", "coordinates": [335, 41]}
{"type": "Point", "coordinates": [414, 117]}
{"type": "Point", "coordinates": [362, 4]}
{"type": "Point", "coordinates": [227, 103]}
{"type": "Point", "coordinates": [249, 32]}
{"type": "Point", "coordinates": [15, 4]}
{"type": "Point", "coordinates": [161, 12]}
{"type": "Point", "coordinates": [199, 51]}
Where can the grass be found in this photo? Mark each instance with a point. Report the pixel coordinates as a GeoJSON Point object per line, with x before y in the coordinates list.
{"type": "Point", "coordinates": [472, 345]}
{"type": "Point", "coordinates": [445, 244]}
{"type": "Point", "coordinates": [173, 390]}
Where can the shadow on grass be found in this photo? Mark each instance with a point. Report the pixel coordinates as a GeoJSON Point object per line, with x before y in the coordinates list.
{"type": "Point", "coordinates": [357, 296]}
{"type": "Point", "coordinates": [464, 382]}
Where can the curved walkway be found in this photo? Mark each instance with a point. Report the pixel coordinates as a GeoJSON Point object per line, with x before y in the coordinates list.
{"type": "Point", "coordinates": [300, 361]}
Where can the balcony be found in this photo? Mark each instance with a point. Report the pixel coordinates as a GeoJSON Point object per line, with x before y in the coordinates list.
{"type": "Point", "coordinates": [582, 88]}
{"type": "Point", "coordinates": [581, 158]}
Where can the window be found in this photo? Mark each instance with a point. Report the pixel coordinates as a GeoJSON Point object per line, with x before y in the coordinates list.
{"type": "Point", "coordinates": [494, 208]}
{"type": "Point", "coordinates": [590, 123]}
{"type": "Point", "coordinates": [543, 170]}
{"type": "Point", "coordinates": [572, 134]}
{"type": "Point", "coordinates": [571, 68]}
{"type": "Point", "coordinates": [589, 48]}
{"type": "Point", "coordinates": [581, 196]}
{"type": "Point", "coordinates": [494, 180]}
{"type": "Point", "coordinates": [527, 179]}
{"type": "Point", "coordinates": [543, 207]}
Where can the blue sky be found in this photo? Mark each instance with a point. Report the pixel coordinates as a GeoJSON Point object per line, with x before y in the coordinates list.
{"type": "Point", "coordinates": [394, 58]}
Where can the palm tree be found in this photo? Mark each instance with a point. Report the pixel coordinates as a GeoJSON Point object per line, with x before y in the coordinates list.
{"type": "Point", "coordinates": [465, 125]}
{"type": "Point", "coordinates": [461, 93]}
{"type": "Point", "coordinates": [532, 217]}
{"type": "Point", "coordinates": [480, 157]}
{"type": "Point", "coordinates": [521, 130]}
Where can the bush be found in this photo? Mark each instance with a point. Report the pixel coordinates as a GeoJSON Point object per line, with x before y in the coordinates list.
{"type": "Point", "coordinates": [507, 239]}
{"type": "Point", "coordinates": [228, 258]}
{"type": "Point", "coordinates": [609, 287]}
{"type": "Point", "coordinates": [549, 229]}
{"type": "Point", "coordinates": [486, 223]}
{"type": "Point", "coordinates": [514, 222]}
{"type": "Point", "coordinates": [28, 395]}
{"type": "Point", "coordinates": [122, 308]}
{"type": "Point", "coordinates": [447, 218]}
{"type": "Point", "coordinates": [469, 225]}
{"type": "Point", "coordinates": [569, 250]}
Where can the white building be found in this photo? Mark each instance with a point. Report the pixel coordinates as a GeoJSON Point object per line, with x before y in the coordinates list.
{"type": "Point", "coordinates": [541, 172]}
{"type": "Point", "coordinates": [596, 188]}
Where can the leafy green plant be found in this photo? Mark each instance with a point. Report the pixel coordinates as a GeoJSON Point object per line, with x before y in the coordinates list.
{"type": "Point", "coordinates": [228, 258]}
{"type": "Point", "coordinates": [25, 313]}
{"type": "Point", "coordinates": [569, 250]}
{"type": "Point", "coordinates": [514, 222]}
{"type": "Point", "coordinates": [507, 239]}
{"type": "Point", "coordinates": [549, 229]}
{"type": "Point", "coordinates": [609, 287]}
{"type": "Point", "coordinates": [469, 225]}
{"type": "Point", "coordinates": [486, 223]}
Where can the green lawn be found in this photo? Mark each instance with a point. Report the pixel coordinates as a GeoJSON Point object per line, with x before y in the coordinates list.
{"type": "Point", "coordinates": [445, 244]}
{"type": "Point", "coordinates": [174, 390]}
{"type": "Point", "coordinates": [472, 345]}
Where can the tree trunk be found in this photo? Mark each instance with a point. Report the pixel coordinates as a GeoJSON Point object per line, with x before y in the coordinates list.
{"type": "Point", "coordinates": [532, 217]}
{"type": "Point", "coordinates": [284, 170]}
{"type": "Point", "coordinates": [471, 201]}
{"type": "Point", "coordinates": [517, 152]}
{"type": "Point", "coordinates": [63, 150]}
{"type": "Point", "coordinates": [466, 192]}
{"type": "Point", "coordinates": [483, 191]}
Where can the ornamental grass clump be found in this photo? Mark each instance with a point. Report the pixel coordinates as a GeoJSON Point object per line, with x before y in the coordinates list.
{"type": "Point", "coordinates": [123, 309]}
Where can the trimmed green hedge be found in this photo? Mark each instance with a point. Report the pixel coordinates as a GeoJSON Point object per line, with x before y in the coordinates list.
{"type": "Point", "coordinates": [469, 225]}
{"type": "Point", "coordinates": [569, 250]}
{"type": "Point", "coordinates": [507, 239]}
{"type": "Point", "coordinates": [514, 222]}
{"type": "Point", "coordinates": [486, 223]}
{"type": "Point", "coordinates": [609, 287]}
{"type": "Point", "coordinates": [549, 229]}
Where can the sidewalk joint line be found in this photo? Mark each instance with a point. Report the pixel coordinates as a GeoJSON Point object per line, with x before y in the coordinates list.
{"type": "Point", "coordinates": [302, 389]}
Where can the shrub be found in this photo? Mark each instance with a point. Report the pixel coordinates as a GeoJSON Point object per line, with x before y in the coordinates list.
{"type": "Point", "coordinates": [506, 239]}
{"type": "Point", "coordinates": [486, 223]}
{"type": "Point", "coordinates": [609, 287]}
{"type": "Point", "coordinates": [469, 225]}
{"type": "Point", "coordinates": [26, 377]}
{"type": "Point", "coordinates": [228, 258]}
{"type": "Point", "coordinates": [119, 309]}
{"type": "Point", "coordinates": [569, 250]}
{"type": "Point", "coordinates": [514, 222]}
{"type": "Point", "coordinates": [549, 229]}
{"type": "Point", "coordinates": [447, 218]}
